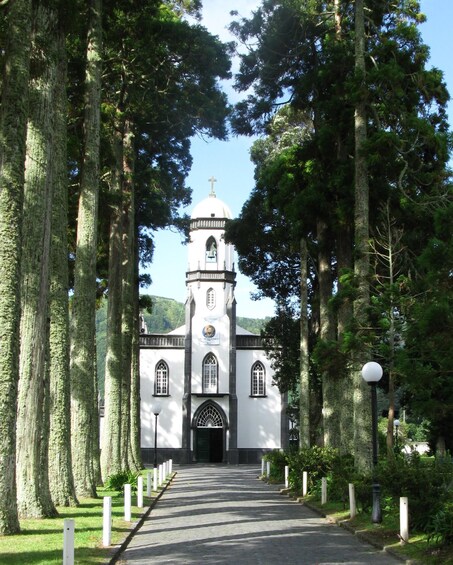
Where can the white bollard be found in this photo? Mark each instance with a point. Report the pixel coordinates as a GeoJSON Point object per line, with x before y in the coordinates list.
{"type": "Point", "coordinates": [148, 483]}
{"type": "Point", "coordinates": [352, 504]}
{"type": "Point", "coordinates": [404, 519]}
{"type": "Point", "coordinates": [304, 483]}
{"type": "Point", "coordinates": [155, 479]}
{"type": "Point", "coordinates": [160, 474]}
{"type": "Point", "coordinates": [127, 503]}
{"type": "Point", "coordinates": [171, 466]}
{"type": "Point", "coordinates": [286, 476]}
{"type": "Point", "coordinates": [262, 466]}
{"type": "Point", "coordinates": [107, 521]}
{"type": "Point", "coordinates": [140, 492]}
{"type": "Point", "coordinates": [68, 542]}
{"type": "Point", "coordinates": [323, 490]}
{"type": "Point", "coordinates": [268, 468]}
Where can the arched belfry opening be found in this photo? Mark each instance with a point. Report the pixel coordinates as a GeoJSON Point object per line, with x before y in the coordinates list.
{"type": "Point", "coordinates": [211, 250]}
{"type": "Point", "coordinates": [209, 428]}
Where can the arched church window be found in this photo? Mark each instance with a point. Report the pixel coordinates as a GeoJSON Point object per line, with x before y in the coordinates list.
{"type": "Point", "coordinates": [258, 384]}
{"type": "Point", "coordinates": [211, 250]}
{"type": "Point", "coordinates": [210, 374]}
{"type": "Point", "coordinates": [209, 418]}
{"type": "Point", "coordinates": [210, 298]}
{"type": "Point", "coordinates": [161, 387]}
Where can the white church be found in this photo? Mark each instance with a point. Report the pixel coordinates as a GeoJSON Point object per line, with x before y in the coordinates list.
{"type": "Point", "coordinates": [211, 378]}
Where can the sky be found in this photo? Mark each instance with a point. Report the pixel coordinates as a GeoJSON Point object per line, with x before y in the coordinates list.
{"type": "Point", "coordinates": [229, 162]}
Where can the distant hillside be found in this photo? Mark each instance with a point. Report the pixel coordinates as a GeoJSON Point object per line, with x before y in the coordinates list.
{"type": "Point", "coordinates": [167, 315]}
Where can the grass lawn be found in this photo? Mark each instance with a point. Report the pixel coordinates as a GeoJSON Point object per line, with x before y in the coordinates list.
{"type": "Point", "coordinates": [41, 541]}
{"type": "Point", "coordinates": [387, 534]}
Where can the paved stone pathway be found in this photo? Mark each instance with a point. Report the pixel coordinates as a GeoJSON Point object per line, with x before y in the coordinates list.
{"type": "Point", "coordinates": [213, 514]}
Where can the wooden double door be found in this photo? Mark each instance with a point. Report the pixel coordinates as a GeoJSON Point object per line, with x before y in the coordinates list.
{"type": "Point", "coordinates": [209, 445]}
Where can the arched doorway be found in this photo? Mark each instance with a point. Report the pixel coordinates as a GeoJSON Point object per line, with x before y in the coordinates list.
{"type": "Point", "coordinates": [209, 428]}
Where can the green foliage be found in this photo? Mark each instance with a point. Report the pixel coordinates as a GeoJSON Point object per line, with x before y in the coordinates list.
{"type": "Point", "coordinates": [116, 482]}
{"type": "Point", "coordinates": [440, 526]}
{"type": "Point", "coordinates": [317, 461]}
{"type": "Point", "coordinates": [427, 357]}
{"type": "Point", "coordinates": [304, 176]}
{"type": "Point", "coordinates": [166, 315]}
{"type": "Point", "coordinates": [415, 431]}
{"type": "Point", "coordinates": [278, 460]}
{"type": "Point", "coordinates": [426, 482]}
{"type": "Point", "coordinates": [282, 346]}
{"type": "Point", "coordinates": [254, 325]}
{"type": "Point", "coordinates": [328, 356]}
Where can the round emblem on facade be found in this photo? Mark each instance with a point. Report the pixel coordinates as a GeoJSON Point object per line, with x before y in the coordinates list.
{"type": "Point", "coordinates": [209, 331]}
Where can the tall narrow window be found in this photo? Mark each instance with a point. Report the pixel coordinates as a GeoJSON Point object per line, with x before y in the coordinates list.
{"type": "Point", "coordinates": [258, 384]}
{"type": "Point", "coordinates": [211, 250]}
{"type": "Point", "coordinates": [161, 379]}
{"type": "Point", "coordinates": [210, 374]}
{"type": "Point", "coordinates": [210, 298]}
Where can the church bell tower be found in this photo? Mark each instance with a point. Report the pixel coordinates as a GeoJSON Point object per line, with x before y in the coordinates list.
{"type": "Point", "coordinates": [210, 345]}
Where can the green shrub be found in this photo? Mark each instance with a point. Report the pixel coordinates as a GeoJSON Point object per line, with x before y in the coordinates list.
{"type": "Point", "coordinates": [440, 526]}
{"type": "Point", "coordinates": [317, 461]}
{"type": "Point", "coordinates": [425, 482]}
{"type": "Point", "coordinates": [363, 491]}
{"type": "Point", "coordinates": [278, 460]}
{"type": "Point", "coordinates": [341, 475]}
{"type": "Point", "coordinates": [118, 480]}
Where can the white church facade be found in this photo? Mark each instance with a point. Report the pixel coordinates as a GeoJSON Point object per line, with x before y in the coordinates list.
{"type": "Point", "coordinates": [212, 378]}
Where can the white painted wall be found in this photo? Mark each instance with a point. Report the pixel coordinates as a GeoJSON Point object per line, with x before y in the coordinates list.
{"type": "Point", "coordinates": [259, 424]}
{"type": "Point", "coordinates": [170, 419]}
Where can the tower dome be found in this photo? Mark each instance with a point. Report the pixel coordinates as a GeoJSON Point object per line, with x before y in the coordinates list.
{"type": "Point", "coordinates": [211, 207]}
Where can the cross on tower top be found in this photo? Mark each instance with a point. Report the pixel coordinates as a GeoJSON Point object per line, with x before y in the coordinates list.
{"type": "Point", "coordinates": [212, 180]}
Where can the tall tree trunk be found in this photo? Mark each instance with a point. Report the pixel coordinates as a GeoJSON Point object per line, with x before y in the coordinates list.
{"type": "Point", "coordinates": [32, 485]}
{"type": "Point", "coordinates": [111, 433]}
{"type": "Point", "coordinates": [344, 381]}
{"type": "Point", "coordinates": [391, 336]}
{"type": "Point", "coordinates": [331, 402]}
{"type": "Point", "coordinates": [96, 432]}
{"type": "Point", "coordinates": [362, 413]}
{"type": "Point", "coordinates": [135, 456]}
{"type": "Point", "coordinates": [61, 480]}
{"type": "Point", "coordinates": [47, 502]}
{"type": "Point", "coordinates": [128, 280]}
{"type": "Point", "coordinates": [304, 380]}
{"type": "Point", "coordinates": [13, 122]}
{"type": "Point", "coordinates": [83, 328]}
{"type": "Point", "coordinates": [344, 317]}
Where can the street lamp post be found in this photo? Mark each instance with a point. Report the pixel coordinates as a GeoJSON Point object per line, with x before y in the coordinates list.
{"type": "Point", "coordinates": [157, 407]}
{"type": "Point", "coordinates": [372, 374]}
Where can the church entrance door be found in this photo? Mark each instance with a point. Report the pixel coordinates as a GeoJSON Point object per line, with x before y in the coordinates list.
{"type": "Point", "coordinates": [209, 434]}
{"type": "Point", "coordinates": [209, 445]}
